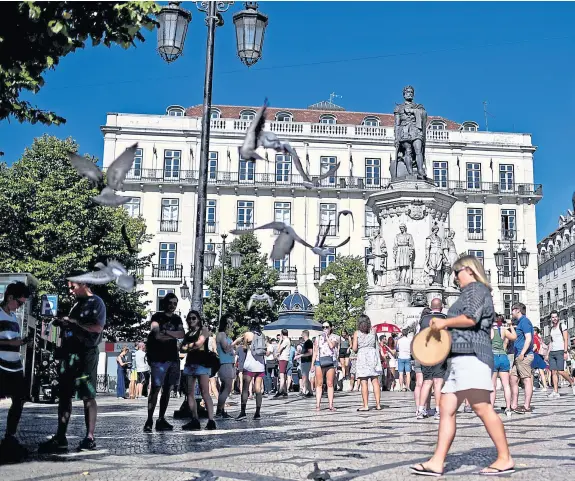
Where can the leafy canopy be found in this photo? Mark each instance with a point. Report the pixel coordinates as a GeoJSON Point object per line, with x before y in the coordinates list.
{"type": "Point", "coordinates": [49, 226]}
{"type": "Point", "coordinates": [38, 34]}
{"type": "Point", "coordinates": [342, 300]}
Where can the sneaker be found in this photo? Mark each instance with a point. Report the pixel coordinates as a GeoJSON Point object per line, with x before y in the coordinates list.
{"type": "Point", "coordinates": [11, 446]}
{"type": "Point", "coordinates": [241, 417]}
{"type": "Point", "coordinates": [508, 413]}
{"type": "Point", "coordinates": [285, 394]}
{"type": "Point", "coordinates": [543, 389]}
{"type": "Point", "coordinates": [54, 445]}
{"type": "Point", "coordinates": [573, 389]}
{"type": "Point", "coordinates": [193, 425]}
{"type": "Point", "coordinates": [225, 415]}
{"type": "Point", "coordinates": [257, 416]}
{"type": "Point", "coordinates": [211, 426]}
{"type": "Point", "coordinates": [163, 425]}
{"type": "Point", "coordinates": [467, 409]}
{"type": "Point", "coordinates": [277, 394]}
{"type": "Point", "coordinates": [422, 414]}
{"type": "Point", "coordinates": [554, 395]}
{"type": "Point", "coordinates": [148, 426]}
{"type": "Point", "coordinates": [87, 444]}
{"type": "Point", "coordinates": [436, 416]}
{"type": "Point", "coordinates": [310, 394]}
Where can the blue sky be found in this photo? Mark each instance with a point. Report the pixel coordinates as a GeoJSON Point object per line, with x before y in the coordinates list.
{"type": "Point", "coordinates": [518, 56]}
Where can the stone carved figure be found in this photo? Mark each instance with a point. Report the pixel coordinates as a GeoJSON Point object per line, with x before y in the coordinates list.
{"type": "Point", "coordinates": [379, 253]}
{"type": "Point", "coordinates": [434, 257]}
{"type": "Point", "coordinates": [403, 255]}
{"type": "Point", "coordinates": [450, 256]}
{"type": "Point", "coordinates": [370, 271]}
{"type": "Point", "coordinates": [410, 132]}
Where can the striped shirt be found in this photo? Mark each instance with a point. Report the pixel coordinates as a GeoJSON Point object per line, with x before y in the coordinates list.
{"type": "Point", "coordinates": [9, 355]}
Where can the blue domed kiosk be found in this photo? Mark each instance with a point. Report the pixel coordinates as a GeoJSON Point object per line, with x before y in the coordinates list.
{"type": "Point", "coordinates": [296, 315]}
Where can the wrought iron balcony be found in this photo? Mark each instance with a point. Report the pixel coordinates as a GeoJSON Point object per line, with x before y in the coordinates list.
{"type": "Point", "coordinates": [167, 271]}
{"type": "Point", "coordinates": [287, 274]}
{"type": "Point", "coordinates": [211, 227]}
{"type": "Point", "coordinates": [474, 234]}
{"type": "Point", "coordinates": [330, 229]}
{"type": "Point", "coordinates": [169, 226]}
{"type": "Point", "coordinates": [504, 277]}
{"type": "Point", "coordinates": [244, 225]}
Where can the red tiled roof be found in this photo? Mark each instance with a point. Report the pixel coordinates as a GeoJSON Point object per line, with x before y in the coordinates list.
{"type": "Point", "coordinates": [309, 115]}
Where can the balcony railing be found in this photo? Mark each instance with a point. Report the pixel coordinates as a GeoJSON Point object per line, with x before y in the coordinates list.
{"type": "Point", "coordinates": [167, 271]}
{"type": "Point", "coordinates": [287, 274]}
{"type": "Point", "coordinates": [168, 226]}
{"type": "Point", "coordinates": [211, 227]}
{"type": "Point", "coordinates": [508, 234]}
{"type": "Point", "coordinates": [330, 229]}
{"type": "Point", "coordinates": [244, 225]}
{"type": "Point", "coordinates": [504, 277]}
{"type": "Point", "coordinates": [474, 234]}
{"type": "Point", "coordinates": [317, 271]}
{"type": "Point", "coordinates": [370, 230]}
{"type": "Point", "coordinates": [457, 187]}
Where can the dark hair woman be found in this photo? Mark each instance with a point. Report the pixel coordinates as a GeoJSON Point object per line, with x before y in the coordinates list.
{"type": "Point", "coordinates": [368, 361]}
{"type": "Point", "coordinates": [324, 359]}
{"type": "Point", "coordinates": [344, 352]}
{"type": "Point", "coordinates": [227, 372]}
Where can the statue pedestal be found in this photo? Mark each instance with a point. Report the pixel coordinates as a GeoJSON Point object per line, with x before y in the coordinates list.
{"type": "Point", "coordinates": [434, 291]}
{"type": "Point", "coordinates": [450, 296]}
{"type": "Point", "coordinates": [401, 295]}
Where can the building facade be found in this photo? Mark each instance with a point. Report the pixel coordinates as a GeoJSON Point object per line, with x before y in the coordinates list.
{"type": "Point", "coordinates": [556, 259]}
{"type": "Point", "coordinates": [491, 174]}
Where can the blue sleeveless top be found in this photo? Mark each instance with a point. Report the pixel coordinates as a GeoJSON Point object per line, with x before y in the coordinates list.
{"type": "Point", "coordinates": [225, 358]}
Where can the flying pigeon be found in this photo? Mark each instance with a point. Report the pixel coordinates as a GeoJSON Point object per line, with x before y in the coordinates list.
{"type": "Point", "coordinates": [260, 297]}
{"type": "Point", "coordinates": [327, 277]}
{"type": "Point", "coordinates": [285, 241]}
{"type": "Point", "coordinates": [129, 245]}
{"type": "Point", "coordinates": [346, 213]}
{"type": "Point", "coordinates": [113, 272]}
{"type": "Point", "coordinates": [116, 175]}
{"type": "Point", "coordinates": [320, 248]}
{"type": "Point", "coordinates": [251, 141]}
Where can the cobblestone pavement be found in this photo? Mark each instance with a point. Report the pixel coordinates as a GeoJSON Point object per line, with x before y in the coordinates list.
{"type": "Point", "coordinates": [289, 439]}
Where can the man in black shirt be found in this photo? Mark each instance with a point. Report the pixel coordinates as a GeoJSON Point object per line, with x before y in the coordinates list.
{"type": "Point", "coordinates": [431, 374]}
{"type": "Point", "coordinates": [164, 360]}
{"type": "Point", "coordinates": [305, 356]}
{"type": "Point", "coordinates": [81, 333]}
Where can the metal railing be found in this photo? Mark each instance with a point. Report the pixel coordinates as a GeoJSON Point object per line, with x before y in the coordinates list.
{"type": "Point", "coordinates": [287, 274]}
{"type": "Point", "coordinates": [504, 277]}
{"type": "Point", "coordinates": [330, 229]}
{"type": "Point", "coordinates": [169, 225]}
{"type": "Point", "coordinates": [317, 271]}
{"type": "Point", "coordinates": [211, 227]}
{"type": "Point", "coordinates": [244, 225]}
{"type": "Point", "coordinates": [474, 234]}
{"type": "Point", "coordinates": [167, 271]}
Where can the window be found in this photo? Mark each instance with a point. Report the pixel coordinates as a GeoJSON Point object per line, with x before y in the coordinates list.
{"type": "Point", "coordinates": [247, 114]}
{"type": "Point", "coordinates": [440, 174]}
{"type": "Point", "coordinates": [371, 225]}
{"type": "Point", "coordinates": [284, 117]}
{"type": "Point", "coordinates": [371, 122]}
{"type": "Point", "coordinates": [167, 255]}
{"type": "Point", "coordinates": [169, 215]}
{"type": "Point", "coordinates": [372, 171]}
{"type": "Point", "coordinates": [283, 168]}
{"type": "Point", "coordinates": [572, 256]}
{"type": "Point", "coordinates": [507, 304]}
{"type": "Point", "coordinates": [282, 265]}
{"type": "Point", "coordinates": [327, 216]}
{"type": "Point", "coordinates": [565, 293]}
{"type": "Point", "coordinates": [325, 261]}
{"type": "Point", "coordinates": [137, 165]}
{"type": "Point", "coordinates": [556, 292]}
{"type": "Point", "coordinates": [161, 293]}
{"type": "Point", "coordinates": [327, 119]}
{"type": "Point", "coordinates": [282, 212]}
{"type": "Point", "coordinates": [175, 111]}
{"type": "Point", "coordinates": [215, 114]}
{"type": "Point", "coordinates": [548, 297]}
{"type": "Point", "coordinates": [245, 214]}
{"type": "Point", "coordinates": [327, 163]}
{"type": "Point", "coordinates": [507, 265]}
{"type": "Point", "coordinates": [573, 286]}
{"type": "Point", "coordinates": [437, 125]}
{"type": "Point", "coordinates": [247, 170]}
{"type": "Point", "coordinates": [506, 178]}
{"type": "Point", "coordinates": [213, 166]}
{"type": "Point", "coordinates": [211, 216]}
{"type": "Point", "coordinates": [508, 224]}
{"type": "Point", "coordinates": [540, 303]}
{"type": "Point", "coordinates": [473, 175]}
{"type": "Point", "coordinates": [479, 254]}
{"type": "Point", "coordinates": [470, 126]}
{"type": "Point", "coordinates": [475, 224]}
{"type": "Point", "coordinates": [133, 207]}
{"type": "Point", "coordinates": [555, 267]}
{"type": "Point", "coordinates": [172, 164]}
{"type": "Point", "coordinates": [563, 263]}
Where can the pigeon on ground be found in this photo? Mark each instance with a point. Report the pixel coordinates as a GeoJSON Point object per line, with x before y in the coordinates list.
{"type": "Point", "coordinates": [260, 297]}
{"type": "Point", "coordinates": [317, 474]}
{"type": "Point", "coordinates": [320, 248]}
{"type": "Point", "coordinates": [112, 272]}
{"type": "Point", "coordinates": [284, 242]}
{"type": "Point", "coordinates": [346, 213]}
{"type": "Point", "coordinates": [115, 176]}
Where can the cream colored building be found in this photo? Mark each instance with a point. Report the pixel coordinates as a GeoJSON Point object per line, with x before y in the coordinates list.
{"type": "Point", "coordinates": [490, 173]}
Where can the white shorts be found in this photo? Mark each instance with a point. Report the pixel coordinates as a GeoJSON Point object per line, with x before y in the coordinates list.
{"type": "Point", "coordinates": [467, 372]}
{"type": "Point", "coordinates": [393, 362]}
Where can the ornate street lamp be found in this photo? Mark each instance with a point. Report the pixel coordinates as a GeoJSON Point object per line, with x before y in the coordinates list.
{"type": "Point", "coordinates": [236, 259]}
{"type": "Point", "coordinates": [184, 290]}
{"type": "Point", "coordinates": [172, 31]}
{"type": "Point", "coordinates": [523, 257]}
{"type": "Point", "coordinates": [250, 30]}
{"type": "Point", "coordinates": [210, 259]}
{"type": "Point", "coordinates": [499, 258]}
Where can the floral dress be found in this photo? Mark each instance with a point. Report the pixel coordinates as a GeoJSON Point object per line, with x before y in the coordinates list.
{"type": "Point", "coordinates": [368, 360]}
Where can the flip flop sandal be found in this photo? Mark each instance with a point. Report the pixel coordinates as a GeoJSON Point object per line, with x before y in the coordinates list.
{"type": "Point", "coordinates": [332, 409]}
{"type": "Point", "coordinates": [424, 471]}
{"type": "Point", "coordinates": [362, 409]}
{"type": "Point", "coordinates": [379, 408]}
{"type": "Point", "coordinates": [496, 472]}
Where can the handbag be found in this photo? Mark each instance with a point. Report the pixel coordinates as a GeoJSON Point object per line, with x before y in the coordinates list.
{"type": "Point", "coordinates": [213, 362]}
{"type": "Point", "coordinates": [326, 361]}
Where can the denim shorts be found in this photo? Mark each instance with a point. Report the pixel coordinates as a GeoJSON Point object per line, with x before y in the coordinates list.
{"type": "Point", "coordinates": [165, 374]}
{"type": "Point", "coordinates": [196, 370]}
{"type": "Point", "coordinates": [404, 365]}
{"type": "Point", "coordinates": [501, 363]}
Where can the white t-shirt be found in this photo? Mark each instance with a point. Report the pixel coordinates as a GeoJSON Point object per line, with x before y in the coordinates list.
{"type": "Point", "coordinates": [557, 341]}
{"type": "Point", "coordinates": [404, 348]}
{"type": "Point", "coordinates": [284, 355]}
{"type": "Point", "coordinates": [141, 364]}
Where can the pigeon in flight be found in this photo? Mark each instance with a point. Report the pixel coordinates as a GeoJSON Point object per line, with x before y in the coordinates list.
{"type": "Point", "coordinates": [128, 242]}
{"type": "Point", "coordinates": [285, 241]}
{"type": "Point", "coordinates": [346, 213]}
{"type": "Point", "coordinates": [327, 277]}
{"type": "Point", "coordinates": [115, 179]}
{"type": "Point", "coordinates": [260, 297]}
{"type": "Point", "coordinates": [320, 248]}
{"type": "Point", "coordinates": [112, 272]}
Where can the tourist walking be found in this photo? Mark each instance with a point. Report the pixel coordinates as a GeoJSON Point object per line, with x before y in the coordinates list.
{"type": "Point", "coordinates": [404, 360]}
{"type": "Point", "coordinates": [305, 363]}
{"type": "Point", "coordinates": [469, 320]}
{"type": "Point", "coordinates": [558, 354]}
{"type": "Point", "coordinates": [227, 372]}
{"type": "Point", "coordinates": [197, 369]}
{"type": "Point", "coordinates": [521, 368]}
{"type": "Point", "coordinates": [121, 373]}
{"type": "Point", "coordinates": [282, 355]}
{"type": "Point", "coordinates": [81, 334]}
{"type": "Point", "coordinates": [368, 362]}
{"type": "Point", "coordinates": [12, 381]}
{"type": "Point", "coordinates": [325, 360]}
{"type": "Point", "coordinates": [500, 335]}
{"type": "Point", "coordinates": [344, 352]}
{"type": "Point", "coordinates": [143, 370]}
{"type": "Point", "coordinates": [539, 364]}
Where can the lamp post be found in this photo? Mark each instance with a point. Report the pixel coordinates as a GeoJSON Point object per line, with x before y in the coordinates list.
{"type": "Point", "coordinates": [235, 260]}
{"type": "Point", "coordinates": [500, 256]}
{"type": "Point", "coordinates": [250, 30]}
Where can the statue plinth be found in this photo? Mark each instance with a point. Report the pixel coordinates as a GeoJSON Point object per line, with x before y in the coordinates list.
{"type": "Point", "coordinates": [401, 295]}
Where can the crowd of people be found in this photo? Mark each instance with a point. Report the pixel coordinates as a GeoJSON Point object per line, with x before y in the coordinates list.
{"type": "Point", "coordinates": [486, 352]}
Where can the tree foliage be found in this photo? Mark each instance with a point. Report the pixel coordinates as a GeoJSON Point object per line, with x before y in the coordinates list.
{"type": "Point", "coordinates": [254, 275]}
{"type": "Point", "coordinates": [49, 226]}
{"type": "Point", "coordinates": [342, 300]}
{"type": "Point", "coordinates": [36, 35]}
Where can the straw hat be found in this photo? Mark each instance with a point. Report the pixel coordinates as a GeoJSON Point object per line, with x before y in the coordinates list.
{"type": "Point", "coordinates": [431, 347]}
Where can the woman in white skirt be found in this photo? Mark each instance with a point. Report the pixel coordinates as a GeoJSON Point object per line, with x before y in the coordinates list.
{"type": "Point", "coordinates": [368, 361]}
{"type": "Point", "coordinates": [469, 371]}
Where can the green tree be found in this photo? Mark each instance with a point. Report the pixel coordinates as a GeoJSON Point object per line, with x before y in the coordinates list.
{"type": "Point", "coordinates": [342, 300]}
{"type": "Point", "coordinates": [38, 34]}
{"type": "Point", "coordinates": [240, 283]}
{"type": "Point", "coordinates": [49, 226]}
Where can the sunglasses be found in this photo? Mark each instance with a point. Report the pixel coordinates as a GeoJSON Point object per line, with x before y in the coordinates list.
{"type": "Point", "coordinates": [326, 327]}
{"type": "Point", "coordinates": [20, 303]}
{"type": "Point", "coordinates": [193, 318]}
